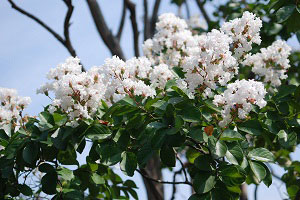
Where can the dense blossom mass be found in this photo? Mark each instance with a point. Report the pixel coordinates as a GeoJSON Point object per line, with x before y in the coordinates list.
{"type": "Point", "coordinates": [271, 63]}
{"type": "Point", "coordinates": [199, 64]}
{"type": "Point", "coordinates": [11, 105]}
{"type": "Point", "coordinates": [238, 98]}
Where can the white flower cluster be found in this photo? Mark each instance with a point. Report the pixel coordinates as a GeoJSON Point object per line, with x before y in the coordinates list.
{"type": "Point", "coordinates": [271, 63]}
{"type": "Point", "coordinates": [171, 41]}
{"type": "Point", "coordinates": [210, 63]}
{"type": "Point", "coordinates": [11, 105]}
{"type": "Point", "coordinates": [79, 93]}
{"type": "Point", "coordinates": [76, 93]}
{"type": "Point", "coordinates": [238, 98]}
{"type": "Point", "coordinates": [244, 32]}
{"type": "Point", "coordinates": [126, 78]}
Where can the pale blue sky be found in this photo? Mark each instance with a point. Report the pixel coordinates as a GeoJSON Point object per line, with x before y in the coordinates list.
{"type": "Point", "coordinates": [27, 52]}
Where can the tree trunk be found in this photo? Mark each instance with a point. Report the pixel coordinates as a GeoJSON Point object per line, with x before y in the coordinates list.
{"type": "Point", "coordinates": [155, 191]}
{"type": "Point", "coordinates": [244, 193]}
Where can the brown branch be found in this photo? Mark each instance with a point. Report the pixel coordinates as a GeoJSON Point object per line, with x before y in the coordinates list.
{"type": "Point", "coordinates": [188, 13]}
{"type": "Point", "coordinates": [131, 7]}
{"type": "Point", "coordinates": [174, 186]}
{"type": "Point", "coordinates": [67, 25]}
{"type": "Point", "coordinates": [66, 42]}
{"type": "Point", "coordinates": [146, 21]}
{"type": "Point", "coordinates": [122, 22]}
{"type": "Point", "coordinates": [108, 38]}
{"type": "Point", "coordinates": [203, 11]}
{"type": "Point", "coordinates": [160, 181]}
{"type": "Point", "coordinates": [154, 17]}
{"type": "Point", "coordinates": [183, 168]}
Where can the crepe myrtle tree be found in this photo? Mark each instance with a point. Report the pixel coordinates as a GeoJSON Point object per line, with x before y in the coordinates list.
{"type": "Point", "coordinates": [220, 102]}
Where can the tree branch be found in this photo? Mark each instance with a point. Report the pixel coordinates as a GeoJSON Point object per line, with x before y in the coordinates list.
{"type": "Point", "coordinates": [122, 21]}
{"type": "Point", "coordinates": [154, 17]}
{"type": "Point", "coordinates": [160, 181]}
{"type": "Point", "coordinates": [66, 42]}
{"type": "Point", "coordinates": [108, 38]}
{"type": "Point", "coordinates": [154, 191]}
{"type": "Point", "coordinates": [188, 13]}
{"type": "Point", "coordinates": [146, 21]}
{"type": "Point", "coordinates": [174, 186]}
{"type": "Point", "coordinates": [131, 7]}
{"type": "Point", "coordinates": [67, 25]}
{"type": "Point", "coordinates": [203, 11]}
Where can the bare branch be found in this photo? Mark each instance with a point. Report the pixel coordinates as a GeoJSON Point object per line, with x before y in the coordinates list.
{"type": "Point", "coordinates": [122, 21]}
{"type": "Point", "coordinates": [188, 13]}
{"type": "Point", "coordinates": [152, 190]}
{"type": "Point", "coordinates": [110, 41]}
{"type": "Point", "coordinates": [66, 42]}
{"type": "Point", "coordinates": [203, 11]}
{"type": "Point", "coordinates": [57, 36]}
{"type": "Point", "coordinates": [174, 186]}
{"type": "Point", "coordinates": [146, 21]}
{"type": "Point", "coordinates": [183, 168]}
{"type": "Point", "coordinates": [160, 181]}
{"type": "Point", "coordinates": [255, 192]}
{"type": "Point", "coordinates": [131, 7]}
{"type": "Point", "coordinates": [154, 16]}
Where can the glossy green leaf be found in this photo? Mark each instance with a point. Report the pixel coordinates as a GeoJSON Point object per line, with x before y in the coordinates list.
{"type": "Point", "coordinates": [30, 152]}
{"type": "Point", "coordinates": [167, 156]}
{"type": "Point", "coordinates": [284, 13]}
{"type": "Point", "coordinates": [129, 163]}
{"type": "Point", "coordinates": [231, 135]}
{"type": "Point", "coordinates": [258, 170]}
{"type": "Point", "coordinates": [204, 182]}
{"type": "Point", "coordinates": [261, 154]}
{"type": "Point", "coordinates": [49, 182]}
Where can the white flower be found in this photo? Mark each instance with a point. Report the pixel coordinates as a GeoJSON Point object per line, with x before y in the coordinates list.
{"type": "Point", "coordinates": [238, 98]}
{"type": "Point", "coordinates": [11, 105]}
{"type": "Point", "coordinates": [244, 32]}
{"type": "Point", "coordinates": [160, 75]}
{"type": "Point", "coordinates": [271, 63]}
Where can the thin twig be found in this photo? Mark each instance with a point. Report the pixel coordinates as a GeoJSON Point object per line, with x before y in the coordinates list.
{"type": "Point", "coordinates": [131, 7]}
{"type": "Point", "coordinates": [162, 182]}
{"type": "Point", "coordinates": [66, 42]}
{"type": "Point", "coordinates": [122, 22]}
{"type": "Point", "coordinates": [174, 186]}
{"type": "Point", "coordinates": [183, 167]}
{"type": "Point", "coordinates": [203, 11]}
{"type": "Point", "coordinates": [255, 192]}
{"type": "Point", "coordinates": [188, 13]}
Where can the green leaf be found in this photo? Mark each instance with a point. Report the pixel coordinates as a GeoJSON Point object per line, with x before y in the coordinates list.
{"type": "Point", "coordinates": [284, 13]}
{"type": "Point", "coordinates": [231, 135]}
{"type": "Point", "coordinates": [232, 175]}
{"type": "Point", "coordinates": [46, 120]}
{"type": "Point", "coordinates": [49, 182]}
{"type": "Point", "coordinates": [217, 148]}
{"type": "Point", "coordinates": [204, 182]}
{"type": "Point", "coordinates": [65, 173]}
{"type": "Point", "coordinates": [191, 114]}
{"type": "Point", "coordinates": [110, 154]}
{"type": "Point", "coordinates": [298, 36]}
{"type": "Point", "coordinates": [287, 140]}
{"type": "Point", "coordinates": [30, 152]}
{"type": "Point", "coordinates": [203, 162]}
{"type": "Point", "coordinates": [98, 132]}
{"type": "Point", "coordinates": [258, 170]}
{"type": "Point", "coordinates": [45, 167]}
{"type": "Point", "coordinates": [268, 179]}
{"type": "Point", "coordinates": [167, 156]}
{"type": "Point", "coordinates": [261, 154]}
{"type": "Point", "coordinates": [25, 190]}
{"type": "Point", "coordinates": [252, 127]}
{"type": "Point", "coordinates": [129, 163]}
{"type": "Point", "coordinates": [59, 119]}
{"type": "Point", "coordinates": [97, 179]}
{"type": "Point", "coordinates": [68, 157]}
{"type": "Point", "coordinates": [234, 153]}
{"type": "Point", "coordinates": [285, 90]}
